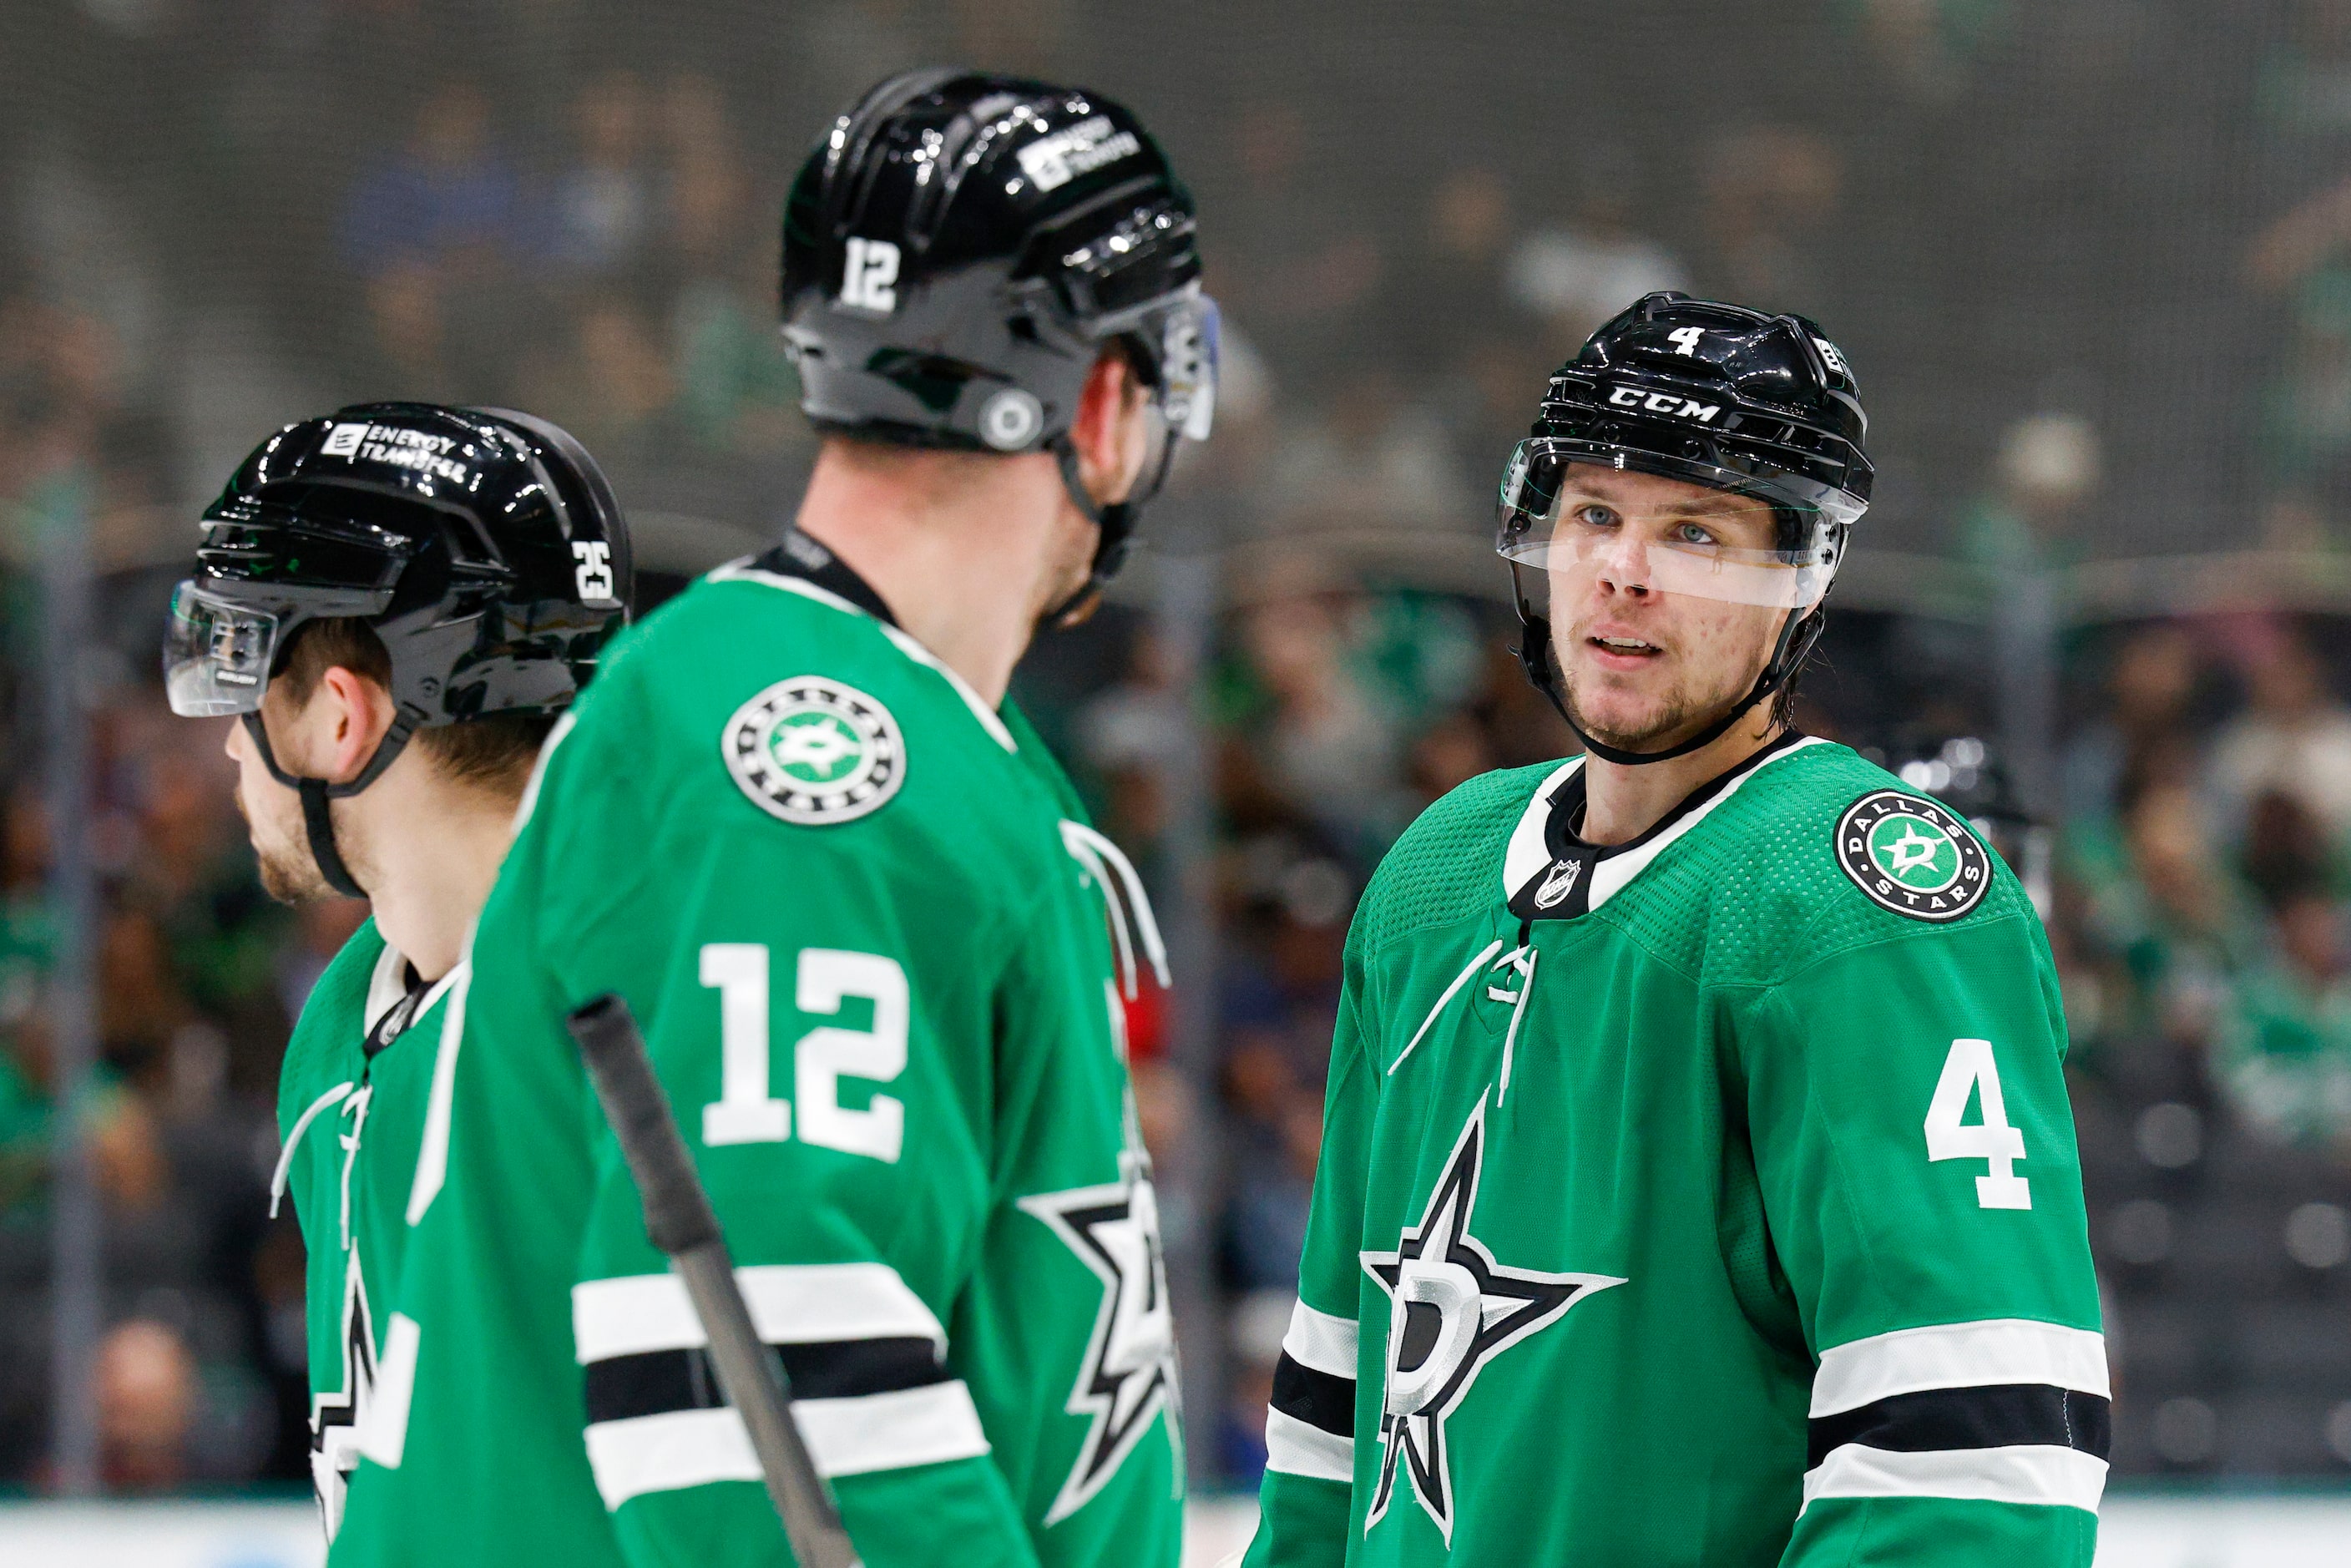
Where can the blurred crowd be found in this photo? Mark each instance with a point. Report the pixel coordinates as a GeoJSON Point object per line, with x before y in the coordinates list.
{"type": "Point", "coordinates": [569, 206]}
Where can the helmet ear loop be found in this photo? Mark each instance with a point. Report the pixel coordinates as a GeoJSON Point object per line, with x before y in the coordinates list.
{"type": "Point", "coordinates": [1795, 645]}
{"type": "Point", "coordinates": [1534, 649]}
{"type": "Point", "coordinates": [317, 818]}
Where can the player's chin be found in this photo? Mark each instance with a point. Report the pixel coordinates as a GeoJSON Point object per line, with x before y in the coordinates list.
{"type": "Point", "coordinates": [288, 873]}
{"type": "Point", "coordinates": [1629, 721]}
{"type": "Point", "coordinates": [1633, 698]}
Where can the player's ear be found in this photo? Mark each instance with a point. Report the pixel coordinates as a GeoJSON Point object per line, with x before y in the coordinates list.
{"type": "Point", "coordinates": [347, 719]}
{"type": "Point", "coordinates": [1109, 432]}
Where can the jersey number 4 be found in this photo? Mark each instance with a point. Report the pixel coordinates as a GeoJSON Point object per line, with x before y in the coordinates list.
{"type": "Point", "coordinates": [1969, 1072]}
{"type": "Point", "coordinates": [746, 1112]}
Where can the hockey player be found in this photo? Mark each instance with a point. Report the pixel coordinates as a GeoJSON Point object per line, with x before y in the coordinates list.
{"type": "Point", "coordinates": [1698, 1182]}
{"type": "Point", "coordinates": [395, 600]}
{"type": "Point", "coordinates": [875, 949]}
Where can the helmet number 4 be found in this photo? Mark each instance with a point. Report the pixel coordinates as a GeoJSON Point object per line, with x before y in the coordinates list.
{"type": "Point", "coordinates": [1969, 1072]}
{"type": "Point", "coordinates": [869, 277]}
{"type": "Point", "coordinates": [595, 570]}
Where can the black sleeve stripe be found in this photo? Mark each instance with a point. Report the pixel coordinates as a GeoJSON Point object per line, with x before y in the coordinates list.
{"type": "Point", "coordinates": [1995, 1415]}
{"type": "Point", "coordinates": [664, 1380]}
{"type": "Point", "coordinates": [1317, 1398]}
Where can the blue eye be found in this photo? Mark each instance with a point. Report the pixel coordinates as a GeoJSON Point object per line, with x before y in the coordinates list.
{"type": "Point", "coordinates": [1691, 534]}
{"type": "Point", "coordinates": [1592, 515]}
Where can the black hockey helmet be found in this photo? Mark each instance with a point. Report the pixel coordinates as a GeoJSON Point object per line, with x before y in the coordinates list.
{"type": "Point", "coordinates": [1966, 773]}
{"type": "Point", "coordinates": [1711, 394]}
{"type": "Point", "coordinates": [483, 547]}
{"type": "Point", "coordinates": [959, 251]}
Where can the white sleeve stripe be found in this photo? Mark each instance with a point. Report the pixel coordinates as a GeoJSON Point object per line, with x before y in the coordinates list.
{"type": "Point", "coordinates": [791, 1304]}
{"type": "Point", "coordinates": [679, 1448]}
{"type": "Point", "coordinates": [2047, 1476]}
{"type": "Point", "coordinates": [1322, 1340]}
{"type": "Point", "coordinates": [1296, 1447]}
{"type": "Point", "coordinates": [1959, 1355]}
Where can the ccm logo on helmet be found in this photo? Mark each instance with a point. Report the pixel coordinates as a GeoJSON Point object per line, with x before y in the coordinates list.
{"type": "Point", "coordinates": [1664, 403]}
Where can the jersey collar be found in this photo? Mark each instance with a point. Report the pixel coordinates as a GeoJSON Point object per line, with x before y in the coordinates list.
{"type": "Point", "coordinates": [798, 555]}
{"type": "Point", "coordinates": [396, 999]}
{"type": "Point", "coordinates": [1549, 874]}
{"type": "Point", "coordinates": [801, 565]}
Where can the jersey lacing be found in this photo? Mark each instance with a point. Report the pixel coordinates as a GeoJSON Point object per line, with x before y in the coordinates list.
{"type": "Point", "coordinates": [1521, 959]}
{"type": "Point", "coordinates": [1491, 959]}
{"type": "Point", "coordinates": [1131, 916]}
{"type": "Point", "coordinates": [351, 1094]}
{"type": "Point", "coordinates": [1452, 990]}
{"type": "Point", "coordinates": [277, 1177]}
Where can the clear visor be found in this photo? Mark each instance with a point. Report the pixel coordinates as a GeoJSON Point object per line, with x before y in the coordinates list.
{"type": "Point", "coordinates": [216, 654]}
{"type": "Point", "coordinates": [1188, 369]}
{"type": "Point", "coordinates": [1184, 403]}
{"type": "Point", "coordinates": [1568, 519]}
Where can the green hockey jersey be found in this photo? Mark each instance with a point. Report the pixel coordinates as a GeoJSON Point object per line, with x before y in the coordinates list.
{"type": "Point", "coordinates": [1707, 1199]}
{"type": "Point", "coordinates": [351, 1103]}
{"type": "Point", "coordinates": [877, 954]}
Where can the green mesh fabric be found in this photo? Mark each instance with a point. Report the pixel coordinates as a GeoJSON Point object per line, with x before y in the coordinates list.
{"type": "Point", "coordinates": [1754, 892]}
{"type": "Point", "coordinates": [1448, 864]}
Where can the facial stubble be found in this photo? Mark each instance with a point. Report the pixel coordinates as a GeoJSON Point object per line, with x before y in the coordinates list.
{"type": "Point", "coordinates": [1682, 713]}
{"type": "Point", "coordinates": [289, 873]}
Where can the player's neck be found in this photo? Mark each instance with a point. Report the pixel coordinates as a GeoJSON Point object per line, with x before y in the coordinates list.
{"type": "Point", "coordinates": [427, 851]}
{"type": "Point", "coordinates": [1622, 801]}
{"type": "Point", "coordinates": [957, 545]}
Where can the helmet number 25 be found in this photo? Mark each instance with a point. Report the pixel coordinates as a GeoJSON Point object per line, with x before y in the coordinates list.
{"type": "Point", "coordinates": [595, 570]}
{"type": "Point", "coordinates": [1969, 1072]}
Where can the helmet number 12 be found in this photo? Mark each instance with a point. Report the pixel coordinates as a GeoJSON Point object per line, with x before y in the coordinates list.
{"type": "Point", "coordinates": [869, 277]}
{"type": "Point", "coordinates": [1968, 1074]}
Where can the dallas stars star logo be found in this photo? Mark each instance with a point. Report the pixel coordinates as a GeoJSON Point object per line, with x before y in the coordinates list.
{"type": "Point", "coordinates": [1128, 1373]}
{"type": "Point", "coordinates": [1451, 1309]}
{"type": "Point", "coordinates": [336, 1418]}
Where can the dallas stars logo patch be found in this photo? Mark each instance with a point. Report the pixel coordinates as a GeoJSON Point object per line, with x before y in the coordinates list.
{"type": "Point", "coordinates": [1912, 856]}
{"type": "Point", "coordinates": [1128, 1374]}
{"type": "Point", "coordinates": [1451, 1310]}
{"type": "Point", "coordinates": [812, 751]}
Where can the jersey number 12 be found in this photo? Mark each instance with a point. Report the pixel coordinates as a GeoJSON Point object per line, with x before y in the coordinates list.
{"type": "Point", "coordinates": [1969, 1072]}
{"type": "Point", "coordinates": [746, 1112]}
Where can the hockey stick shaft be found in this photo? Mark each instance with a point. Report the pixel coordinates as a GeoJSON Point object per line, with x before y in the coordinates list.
{"type": "Point", "coordinates": [681, 1222]}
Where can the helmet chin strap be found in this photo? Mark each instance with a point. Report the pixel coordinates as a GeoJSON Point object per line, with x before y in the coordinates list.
{"type": "Point", "coordinates": [318, 820]}
{"type": "Point", "coordinates": [1797, 636]}
{"type": "Point", "coordinates": [1118, 521]}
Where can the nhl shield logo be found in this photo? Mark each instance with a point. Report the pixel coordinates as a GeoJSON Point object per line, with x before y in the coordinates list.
{"type": "Point", "coordinates": [812, 751]}
{"type": "Point", "coordinates": [1912, 856]}
{"type": "Point", "coordinates": [1558, 884]}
